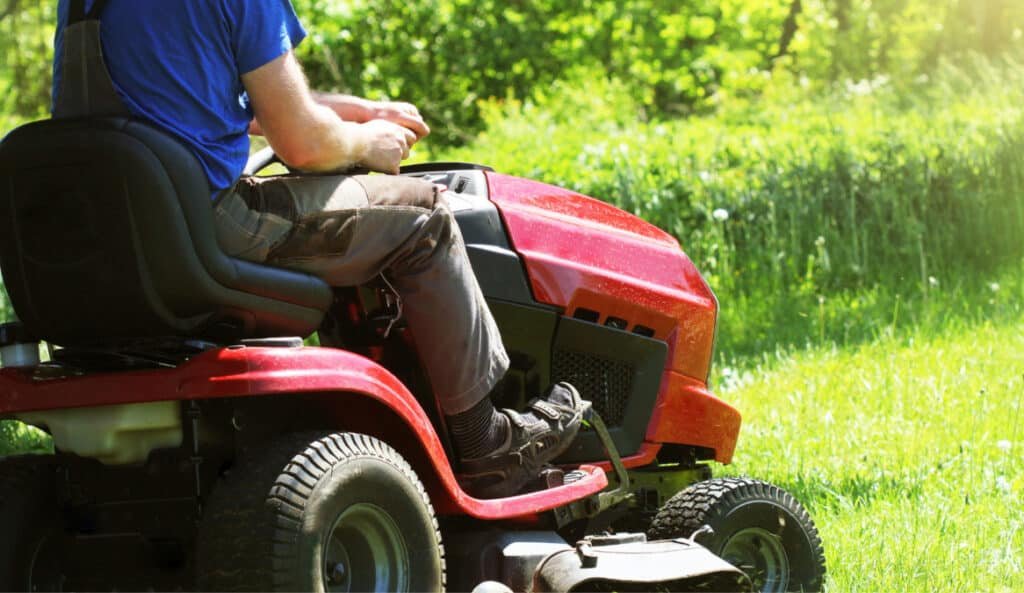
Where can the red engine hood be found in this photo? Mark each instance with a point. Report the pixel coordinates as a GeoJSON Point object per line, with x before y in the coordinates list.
{"type": "Point", "coordinates": [581, 253]}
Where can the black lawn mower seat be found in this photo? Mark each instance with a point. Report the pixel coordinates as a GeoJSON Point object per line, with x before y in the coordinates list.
{"type": "Point", "coordinates": [107, 233]}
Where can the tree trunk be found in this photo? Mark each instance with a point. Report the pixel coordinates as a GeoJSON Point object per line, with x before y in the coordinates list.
{"type": "Point", "coordinates": [789, 28]}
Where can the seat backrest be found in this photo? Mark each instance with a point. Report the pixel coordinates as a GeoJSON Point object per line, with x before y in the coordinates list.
{"type": "Point", "coordinates": [107, 232]}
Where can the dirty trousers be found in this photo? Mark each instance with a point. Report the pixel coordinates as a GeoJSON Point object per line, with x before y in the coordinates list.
{"type": "Point", "coordinates": [350, 229]}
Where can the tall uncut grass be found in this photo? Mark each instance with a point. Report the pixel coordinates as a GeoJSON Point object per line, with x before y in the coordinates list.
{"type": "Point", "coordinates": [795, 198]}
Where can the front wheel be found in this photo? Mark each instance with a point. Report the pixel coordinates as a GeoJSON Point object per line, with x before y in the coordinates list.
{"type": "Point", "coordinates": [757, 527]}
{"type": "Point", "coordinates": [344, 512]}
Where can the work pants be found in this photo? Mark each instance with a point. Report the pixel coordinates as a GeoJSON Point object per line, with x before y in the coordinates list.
{"type": "Point", "coordinates": [350, 229]}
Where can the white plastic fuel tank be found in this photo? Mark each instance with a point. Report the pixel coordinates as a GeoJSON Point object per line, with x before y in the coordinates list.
{"type": "Point", "coordinates": [115, 435]}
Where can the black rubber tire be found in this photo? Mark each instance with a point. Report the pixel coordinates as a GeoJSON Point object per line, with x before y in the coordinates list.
{"type": "Point", "coordinates": [28, 517]}
{"type": "Point", "coordinates": [731, 505]}
{"type": "Point", "coordinates": [265, 525]}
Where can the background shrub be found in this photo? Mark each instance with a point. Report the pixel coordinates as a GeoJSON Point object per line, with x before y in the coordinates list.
{"type": "Point", "coordinates": [842, 190]}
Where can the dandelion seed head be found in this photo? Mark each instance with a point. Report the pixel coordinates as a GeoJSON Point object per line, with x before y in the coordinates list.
{"type": "Point", "coordinates": [933, 281]}
{"type": "Point", "coordinates": [1004, 446]}
{"type": "Point", "coordinates": [993, 286]}
{"type": "Point", "coordinates": [720, 214]}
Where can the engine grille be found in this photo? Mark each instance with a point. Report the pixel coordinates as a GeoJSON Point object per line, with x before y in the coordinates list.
{"type": "Point", "coordinates": [607, 383]}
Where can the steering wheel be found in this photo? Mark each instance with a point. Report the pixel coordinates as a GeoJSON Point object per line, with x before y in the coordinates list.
{"type": "Point", "coordinates": [259, 160]}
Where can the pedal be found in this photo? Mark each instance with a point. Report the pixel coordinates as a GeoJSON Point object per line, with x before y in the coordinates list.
{"type": "Point", "coordinates": [574, 476]}
{"type": "Point", "coordinates": [385, 320]}
{"type": "Point", "coordinates": [552, 477]}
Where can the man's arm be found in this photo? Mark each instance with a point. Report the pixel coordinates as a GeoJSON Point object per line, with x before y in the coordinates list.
{"type": "Point", "coordinates": [359, 110]}
{"type": "Point", "coordinates": [310, 136]}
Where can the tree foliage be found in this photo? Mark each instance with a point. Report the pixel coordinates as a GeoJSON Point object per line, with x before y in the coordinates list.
{"type": "Point", "coordinates": [676, 57]}
{"type": "Point", "coordinates": [446, 54]}
{"type": "Point", "coordinates": [26, 30]}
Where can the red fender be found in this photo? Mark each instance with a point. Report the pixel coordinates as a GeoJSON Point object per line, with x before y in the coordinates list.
{"type": "Point", "coordinates": [256, 372]}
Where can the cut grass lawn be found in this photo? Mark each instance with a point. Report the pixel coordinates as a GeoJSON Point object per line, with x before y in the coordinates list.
{"type": "Point", "coordinates": [906, 450]}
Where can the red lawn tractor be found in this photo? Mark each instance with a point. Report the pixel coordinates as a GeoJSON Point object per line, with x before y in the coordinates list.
{"type": "Point", "coordinates": [200, 443]}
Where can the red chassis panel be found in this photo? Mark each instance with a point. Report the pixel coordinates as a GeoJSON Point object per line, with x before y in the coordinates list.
{"type": "Point", "coordinates": [583, 253]}
{"type": "Point", "coordinates": [256, 372]}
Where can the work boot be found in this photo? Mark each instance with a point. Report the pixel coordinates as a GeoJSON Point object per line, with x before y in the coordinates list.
{"type": "Point", "coordinates": [533, 439]}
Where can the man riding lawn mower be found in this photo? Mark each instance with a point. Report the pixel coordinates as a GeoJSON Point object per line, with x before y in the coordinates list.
{"type": "Point", "coordinates": [198, 444]}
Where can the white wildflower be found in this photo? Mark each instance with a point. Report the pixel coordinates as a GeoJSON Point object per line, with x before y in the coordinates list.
{"type": "Point", "coordinates": [720, 214]}
{"type": "Point", "coordinates": [1004, 446]}
{"type": "Point", "coordinates": [819, 242]}
{"type": "Point", "coordinates": [859, 88]}
{"type": "Point", "coordinates": [1003, 484]}
{"type": "Point", "coordinates": [993, 286]}
{"type": "Point", "coordinates": [933, 281]}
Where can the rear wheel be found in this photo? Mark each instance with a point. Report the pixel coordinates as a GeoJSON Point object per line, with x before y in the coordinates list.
{"type": "Point", "coordinates": [344, 512]}
{"type": "Point", "coordinates": [757, 527]}
{"type": "Point", "coordinates": [29, 524]}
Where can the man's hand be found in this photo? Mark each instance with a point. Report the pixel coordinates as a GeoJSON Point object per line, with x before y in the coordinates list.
{"type": "Point", "coordinates": [403, 114]}
{"type": "Point", "coordinates": [358, 110]}
{"type": "Point", "coordinates": [384, 145]}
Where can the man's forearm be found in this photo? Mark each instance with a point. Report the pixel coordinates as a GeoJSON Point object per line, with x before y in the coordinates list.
{"type": "Point", "coordinates": [347, 107]}
{"type": "Point", "coordinates": [311, 136]}
{"type": "Point", "coordinates": [329, 144]}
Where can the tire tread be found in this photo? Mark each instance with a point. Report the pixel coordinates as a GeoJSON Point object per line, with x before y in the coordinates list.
{"type": "Point", "coordinates": [707, 502]}
{"type": "Point", "coordinates": [259, 502]}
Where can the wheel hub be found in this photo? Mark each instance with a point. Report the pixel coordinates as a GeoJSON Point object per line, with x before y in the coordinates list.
{"type": "Point", "coordinates": [760, 554]}
{"type": "Point", "coordinates": [365, 551]}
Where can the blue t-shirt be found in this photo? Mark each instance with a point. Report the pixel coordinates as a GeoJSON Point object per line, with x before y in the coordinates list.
{"type": "Point", "coordinates": [178, 64]}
